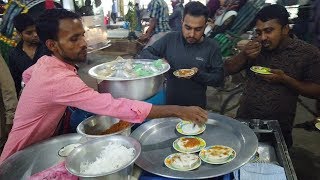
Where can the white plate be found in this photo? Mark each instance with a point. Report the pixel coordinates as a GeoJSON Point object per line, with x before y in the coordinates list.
{"type": "Point", "coordinates": [186, 128]}
{"type": "Point", "coordinates": [260, 70]}
{"type": "Point", "coordinates": [168, 162]}
{"type": "Point", "coordinates": [66, 150]}
{"type": "Point", "coordinates": [226, 160]}
{"type": "Point", "coordinates": [318, 125]}
{"type": "Point", "coordinates": [177, 147]}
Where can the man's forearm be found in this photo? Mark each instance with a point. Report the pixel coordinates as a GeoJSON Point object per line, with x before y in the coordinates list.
{"type": "Point", "coordinates": [307, 89]}
{"type": "Point", "coordinates": [152, 26]}
{"type": "Point", "coordinates": [235, 64]}
{"type": "Point", "coordinates": [163, 111]}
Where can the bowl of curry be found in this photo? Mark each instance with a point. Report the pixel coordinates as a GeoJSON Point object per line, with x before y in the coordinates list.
{"type": "Point", "coordinates": [101, 126]}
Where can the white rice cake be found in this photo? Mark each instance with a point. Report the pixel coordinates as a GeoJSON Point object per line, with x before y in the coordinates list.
{"type": "Point", "coordinates": [182, 161]}
{"type": "Point", "coordinates": [218, 153]}
{"type": "Point", "coordinates": [190, 128]}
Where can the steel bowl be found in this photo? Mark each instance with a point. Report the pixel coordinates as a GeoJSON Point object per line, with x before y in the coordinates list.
{"type": "Point", "coordinates": [98, 124]}
{"type": "Point", "coordinates": [140, 88]}
{"type": "Point", "coordinates": [89, 151]}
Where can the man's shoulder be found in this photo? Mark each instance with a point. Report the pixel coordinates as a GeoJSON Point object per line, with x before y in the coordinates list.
{"type": "Point", "coordinates": [172, 34]}
{"type": "Point", "coordinates": [50, 65]}
{"type": "Point", "coordinates": [211, 42]}
{"type": "Point", "coordinates": [308, 53]}
{"type": "Point", "coordinates": [15, 54]}
{"type": "Point", "coordinates": [170, 37]}
{"type": "Point", "coordinates": [43, 50]}
{"type": "Point", "coordinates": [304, 47]}
{"type": "Point", "coordinates": [16, 50]}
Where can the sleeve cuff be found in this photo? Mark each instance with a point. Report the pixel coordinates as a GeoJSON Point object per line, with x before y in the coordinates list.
{"type": "Point", "coordinates": [141, 109]}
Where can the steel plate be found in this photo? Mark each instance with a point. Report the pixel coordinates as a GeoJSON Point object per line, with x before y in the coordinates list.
{"type": "Point", "coordinates": [156, 137]}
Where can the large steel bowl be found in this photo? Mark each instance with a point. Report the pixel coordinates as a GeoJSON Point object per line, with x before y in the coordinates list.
{"type": "Point", "coordinates": [140, 88]}
{"type": "Point", "coordinates": [89, 151]}
{"type": "Point", "coordinates": [36, 158]}
{"type": "Point", "coordinates": [98, 124]}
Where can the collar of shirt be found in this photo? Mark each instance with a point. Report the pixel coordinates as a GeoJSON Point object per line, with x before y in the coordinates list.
{"type": "Point", "coordinates": [40, 51]}
{"type": "Point", "coordinates": [191, 45]}
{"type": "Point", "coordinates": [64, 64]}
{"type": "Point", "coordinates": [287, 43]}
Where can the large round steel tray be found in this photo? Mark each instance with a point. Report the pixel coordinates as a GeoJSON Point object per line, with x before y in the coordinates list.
{"type": "Point", "coordinates": [157, 136]}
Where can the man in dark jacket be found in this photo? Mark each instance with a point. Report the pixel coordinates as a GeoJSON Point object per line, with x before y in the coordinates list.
{"type": "Point", "coordinates": [189, 49]}
{"type": "Point", "coordinates": [28, 50]}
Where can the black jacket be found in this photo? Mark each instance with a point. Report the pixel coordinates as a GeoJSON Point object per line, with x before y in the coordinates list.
{"type": "Point", "coordinates": [19, 61]}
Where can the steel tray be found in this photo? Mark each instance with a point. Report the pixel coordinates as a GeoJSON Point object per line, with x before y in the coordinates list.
{"type": "Point", "coordinates": [156, 137]}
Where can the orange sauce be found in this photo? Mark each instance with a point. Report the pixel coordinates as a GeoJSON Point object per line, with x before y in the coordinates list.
{"type": "Point", "coordinates": [190, 142]}
{"type": "Point", "coordinates": [185, 72]}
{"type": "Point", "coordinates": [116, 127]}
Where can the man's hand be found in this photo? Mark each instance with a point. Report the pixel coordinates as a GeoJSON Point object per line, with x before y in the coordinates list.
{"type": "Point", "coordinates": [192, 113]}
{"type": "Point", "coordinates": [210, 22]}
{"type": "Point", "coordinates": [277, 76]}
{"type": "Point", "coordinates": [252, 49]}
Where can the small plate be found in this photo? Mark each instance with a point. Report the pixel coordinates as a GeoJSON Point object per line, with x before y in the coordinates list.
{"type": "Point", "coordinates": [186, 128]}
{"type": "Point", "coordinates": [318, 125]}
{"type": "Point", "coordinates": [66, 150]}
{"type": "Point", "coordinates": [178, 147]}
{"type": "Point", "coordinates": [222, 161]}
{"type": "Point", "coordinates": [169, 162]}
{"type": "Point", "coordinates": [260, 70]}
{"type": "Point", "coordinates": [184, 72]}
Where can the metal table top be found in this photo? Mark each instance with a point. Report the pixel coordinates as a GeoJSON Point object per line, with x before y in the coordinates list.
{"type": "Point", "coordinates": [156, 137]}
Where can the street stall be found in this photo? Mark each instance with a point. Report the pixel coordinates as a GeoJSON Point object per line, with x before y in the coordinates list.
{"type": "Point", "coordinates": [155, 143]}
{"type": "Point", "coordinates": [223, 148]}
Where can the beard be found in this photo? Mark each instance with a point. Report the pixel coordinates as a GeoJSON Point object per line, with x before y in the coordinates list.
{"type": "Point", "coordinates": [80, 58]}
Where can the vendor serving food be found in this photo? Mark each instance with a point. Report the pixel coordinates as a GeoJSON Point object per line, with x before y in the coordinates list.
{"type": "Point", "coordinates": [196, 58]}
{"type": "Point", "coordinates": [52, 84]}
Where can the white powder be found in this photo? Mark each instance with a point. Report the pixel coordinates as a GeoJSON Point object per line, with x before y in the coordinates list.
{"type": "Point", "coordinates": [112, 157]}
{"type": "Point", "coordinates": [190, 128]}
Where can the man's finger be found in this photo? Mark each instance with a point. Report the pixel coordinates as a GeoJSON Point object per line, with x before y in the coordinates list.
{"type": "Point", "coordinates": [255, 50]}
{"type": "Point", "coordinates": [254, 53]}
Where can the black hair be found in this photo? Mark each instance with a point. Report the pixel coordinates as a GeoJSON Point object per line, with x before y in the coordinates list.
{"type": "Point", "coordinates": [22, 21]}
{"type": "Point", "coordinates": [48, 23]}
{"type": "Point", "coordinates": [196, 8]}
{"type": "Point", "coordinates": [274, 11]}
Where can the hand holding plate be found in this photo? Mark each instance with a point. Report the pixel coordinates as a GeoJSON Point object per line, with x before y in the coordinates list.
{"type": "Point", "coordinates": [277, 76]}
